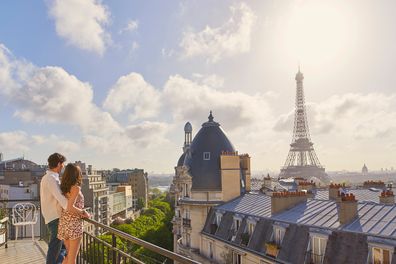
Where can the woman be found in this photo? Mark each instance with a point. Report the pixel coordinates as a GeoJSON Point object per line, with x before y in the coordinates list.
{"type": "Point", "coordinates": [70, 223]}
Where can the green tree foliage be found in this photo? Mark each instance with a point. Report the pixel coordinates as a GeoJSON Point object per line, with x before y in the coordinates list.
{"type": "Point", "coordinates": [154, 225]}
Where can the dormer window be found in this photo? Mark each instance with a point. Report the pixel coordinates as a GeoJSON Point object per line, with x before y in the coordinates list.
{"type": "Point", "coordinates": [379, 253]}
{"type": "Point", "coordinates": [318, 243]}
{"type": "Point", "coordinates": [218, 218]}
{"type": "Point", "coordinates": [279, 233]}
{"type": "Point", "coordinates": [206, 156]}
{"type": "Point", "coordinates": [237, 224]}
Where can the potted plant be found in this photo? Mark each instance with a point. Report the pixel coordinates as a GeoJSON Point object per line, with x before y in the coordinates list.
{"type": "Point", "coordinates": [272, 248]}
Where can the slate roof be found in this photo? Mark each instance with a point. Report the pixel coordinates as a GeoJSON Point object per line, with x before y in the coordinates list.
{"type": "Point", "coordinates": [373, 218]}
{"type": "Point", "coordinates": [206, 173]}
{"type": "Point", "coordinates": [368, 195]}
{"type": "Point", "coordinates": [346, 243]}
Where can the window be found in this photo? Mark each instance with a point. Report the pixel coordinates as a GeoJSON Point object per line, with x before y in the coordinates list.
{"type": "Point", "coordinates": [218, 219]}
{"type": "Point", "coordinates": [318, 248]}
{"type": "Point", "coordinates": [237, 224]}
{"type": "Point", "coordinates": [188, 240]}
{"type": "Point", "coordinates": [186, 190]}
{"type": "Point", "coordinates": [380, 255]}
{"type": "Point", "coordinates": [210, 249]}
{"type": "Point", "coordinates": [236, 258]}
{"type": "Point", "coordinates": [279, 233]}
{"type": "Point", "coordinates": [206, 155]}
{"type": "Point", "coordinates": [251, 227]}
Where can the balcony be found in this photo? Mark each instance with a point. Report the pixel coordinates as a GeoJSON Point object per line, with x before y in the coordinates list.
{"type": "Point", "coordinates": [312, 258]}
{"type": "Point", "coordinates": [187, 222]}
{"type": "Point", "coordinates": [93, 249]}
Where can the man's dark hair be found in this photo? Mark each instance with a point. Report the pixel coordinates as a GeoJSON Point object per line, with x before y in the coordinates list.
{"type": "Point", "coordinates": [54, 159]}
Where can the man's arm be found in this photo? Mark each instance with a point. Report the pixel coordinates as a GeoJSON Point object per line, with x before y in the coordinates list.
{"type": "Point", "coordinates": [55, 190]}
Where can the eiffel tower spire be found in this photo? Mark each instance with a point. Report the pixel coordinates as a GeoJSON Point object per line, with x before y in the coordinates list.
{"type": "Point", "coordinates": [302, 160]}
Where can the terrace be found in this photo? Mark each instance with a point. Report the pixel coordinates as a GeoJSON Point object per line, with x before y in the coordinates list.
{"type": "Point", "coordinates": [115, 247]}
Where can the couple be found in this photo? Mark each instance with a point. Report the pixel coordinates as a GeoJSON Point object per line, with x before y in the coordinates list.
{"type": "Point", "coordinates": [62, 204]}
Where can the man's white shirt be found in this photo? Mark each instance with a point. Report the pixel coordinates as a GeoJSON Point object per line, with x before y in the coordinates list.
{"type": "Point", "coordinates": [52, 199]}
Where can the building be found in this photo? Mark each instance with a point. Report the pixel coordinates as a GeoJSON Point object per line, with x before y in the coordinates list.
{"type": "Point", "coordinates": [209, 172]}
{"type": "Point", "coordinates": [219, 219]}
{"type": "Point", "coordinates": [137, 179]}
{"type": "Point", "coordinates": [95, 193]}
{"type": "Point", "coordinates": [20, 171]}
{"type": "Point", "coordinates": [120, 202]}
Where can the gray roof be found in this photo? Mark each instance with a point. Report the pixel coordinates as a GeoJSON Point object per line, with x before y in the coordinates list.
{"type": "Point", "coordinates": [368, 195]}
{"type": "Point", "coordinates": [373, 218]}
{"type": "Point", "coordinates": [206, 173]}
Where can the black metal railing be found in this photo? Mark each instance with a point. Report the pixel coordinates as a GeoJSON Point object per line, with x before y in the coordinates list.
{"type": "Point", "coordinates": [186, 222]}
{"type": "Point", "coordinates": [118, 247]}
{"type": "Point", "coordinates": [312, 258]}
{"type": "Point", "coordinates": [39, 229]}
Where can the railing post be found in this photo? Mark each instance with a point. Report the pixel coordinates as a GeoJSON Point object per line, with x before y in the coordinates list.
{"type": "Point", "coordinates": [6, 233]}
{"type": "Point", "coordinates": [114, 244]}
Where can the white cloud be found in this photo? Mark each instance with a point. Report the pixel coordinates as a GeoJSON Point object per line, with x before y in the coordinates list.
{"type": "Point", "coordinates": [132, 94]}
{"type": "Point", "coordinates": [81, 23]}
{"type": "Point", "coordinates": [211, 80]}
{"type": "Point", "coordinates": [188, 100]}
{"type": "Point", "coordinates": [15, 141]}
{"type": "Point", "coordinates": [215, 43]}
{"type": "Point", "coordinates": [131, 26]}
{"type": "Point", "coordinates": [148, 133]}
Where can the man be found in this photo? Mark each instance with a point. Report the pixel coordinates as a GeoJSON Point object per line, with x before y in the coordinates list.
{"type": "Point", "coordinates": [52, 201]}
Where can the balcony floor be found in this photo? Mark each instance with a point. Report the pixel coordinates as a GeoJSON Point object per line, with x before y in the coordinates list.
{"type": "Point", "coordinates": [24, 251]}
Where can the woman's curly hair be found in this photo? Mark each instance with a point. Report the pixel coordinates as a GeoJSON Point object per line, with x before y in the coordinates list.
{"type": "Point", "coordinates": [71, 176]}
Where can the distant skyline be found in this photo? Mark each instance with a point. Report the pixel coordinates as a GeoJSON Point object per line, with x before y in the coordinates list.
{"type": "Point", "coordinates": [112, 83]}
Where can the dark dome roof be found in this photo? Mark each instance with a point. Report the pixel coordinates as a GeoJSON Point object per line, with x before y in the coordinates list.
{"type": "Point", "coordinates": [181, 160]}
{"type": "Point", "coordinates": [206, 173]}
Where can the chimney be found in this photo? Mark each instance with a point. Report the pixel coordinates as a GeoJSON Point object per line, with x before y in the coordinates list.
{"type": "Point", "coordinates": [333, 190]}
{"type": "Point", "coordinates": [305, 185]}
{"type": "Point", "coordinates": [267, 181]}
{"type": "Point", "coordinates": [387, 197]}
{"type": "Point", "coordinates": [348, 208]}
{"type": "Point", "coordinates": [281, 201]}
{"type": "Point", "coordinates": [374, 184]}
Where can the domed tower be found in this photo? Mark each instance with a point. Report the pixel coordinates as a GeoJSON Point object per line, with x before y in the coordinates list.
{"type": "Point", "coordinates": [214, 173]}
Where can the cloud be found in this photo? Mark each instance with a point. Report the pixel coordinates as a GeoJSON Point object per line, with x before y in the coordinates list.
{"type": "Point", "coordinates": [229, 39]}
{"type": "Point", "coordinates": [15, 141]}
{"type": "Point", "coordinates": [132, 94]}
{"type": "Point", "coordinates": [188, 100]}
{"type": "Point", "coordinates": [81, 23]}
{"type": "Point", "coordinates": [131, 26]}
{"type": "Point", "coordinates": [352, 115]}
{"type": "Point", "coordinates": [148, 133]}
{"type": "Point", "coordinates": [51, 95]}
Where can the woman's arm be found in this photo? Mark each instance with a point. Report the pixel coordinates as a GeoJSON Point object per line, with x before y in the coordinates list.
{"type": "Point", "coordinates": [74, 191]}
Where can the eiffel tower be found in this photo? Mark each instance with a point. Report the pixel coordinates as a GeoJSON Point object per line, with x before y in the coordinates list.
{"type": "Point", "coordinates": [302, 160]}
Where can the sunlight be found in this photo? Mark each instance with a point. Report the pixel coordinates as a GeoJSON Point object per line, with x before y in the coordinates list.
{"type": "Point", "coordinates": [317, 32]}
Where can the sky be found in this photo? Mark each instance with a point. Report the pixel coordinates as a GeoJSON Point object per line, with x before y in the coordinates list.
{"type": "Point", "coordinates": [112, 83]}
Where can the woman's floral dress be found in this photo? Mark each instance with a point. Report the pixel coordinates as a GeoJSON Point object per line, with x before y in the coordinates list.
{"type": "Point", "coordinates": [70, 225]}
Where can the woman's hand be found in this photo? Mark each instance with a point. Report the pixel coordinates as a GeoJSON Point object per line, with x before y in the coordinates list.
{"type": "Point", "coordinates": [85, 214]}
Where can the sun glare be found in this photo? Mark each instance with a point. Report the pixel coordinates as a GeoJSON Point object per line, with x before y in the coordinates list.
{"type": "Point", "coordinates": [315, 33]}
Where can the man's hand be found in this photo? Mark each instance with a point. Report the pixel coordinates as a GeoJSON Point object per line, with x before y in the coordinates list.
{"type": "Point", "coordinates": [85, 214]}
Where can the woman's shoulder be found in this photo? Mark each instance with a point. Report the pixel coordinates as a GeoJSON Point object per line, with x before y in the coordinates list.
{"type": "Point", "coordinates": [75, 188]}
